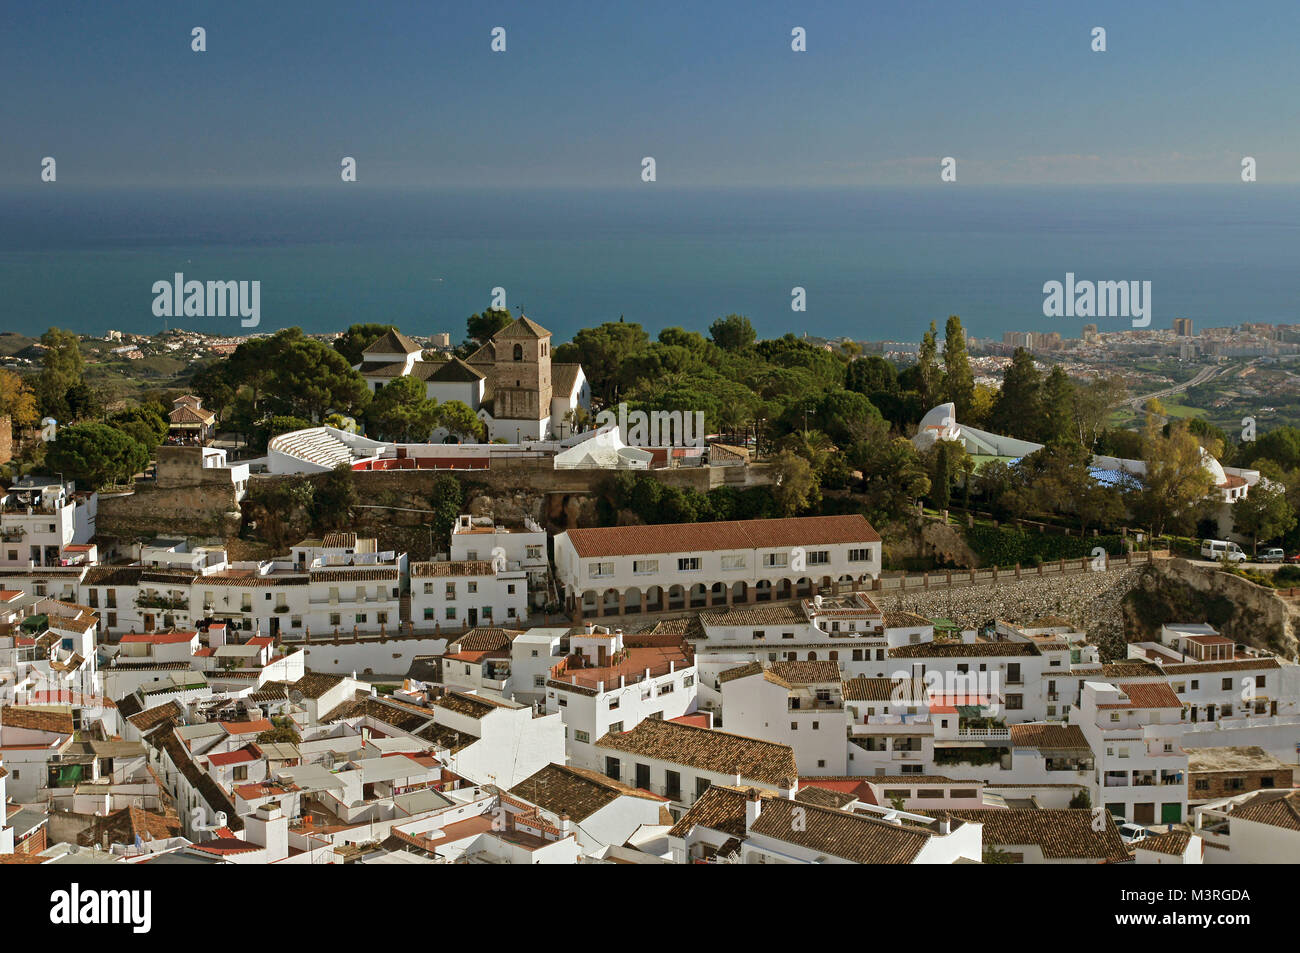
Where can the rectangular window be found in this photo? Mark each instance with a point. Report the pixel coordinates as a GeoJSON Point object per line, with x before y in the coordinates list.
{"type": "Point", "coordinates": [775, 560]}
{"type": "Point", "coordinates": [451, 612]}
{"type": "Point", "coordinates": [642, 567]}
{"type": "Point", "coordinates": [598, 570]}
{"type": "Point", "coordinates": [451, 591]}
{"type": "Point", "coordinates": [859, 555]}
{"type": "Point", "coordinates": [673, 784]}
{"type": "Point", "coordinates": [758, 635]}
{"type": "Point", "coordinates": [473, 587]}
{"type": "Point", "coordinates": [688, 564]}
{"type": "Point", "coordinates": [819, 557]}
{"type": "Point", "coordinates": [616, 727]}
{"type": "Point", "coordinates": [733, 562]}
{"type": "Point", "coordinates": [581, 737]}
{"type": "Point", "coordinates": [428, 613]}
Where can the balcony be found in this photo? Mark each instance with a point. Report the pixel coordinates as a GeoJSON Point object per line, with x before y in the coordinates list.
{"type": "Point", "coordinates": [984, 734]}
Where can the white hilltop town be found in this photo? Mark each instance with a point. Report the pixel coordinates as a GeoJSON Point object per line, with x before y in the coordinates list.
{"type": "Point", "coordinates": [758, 691]}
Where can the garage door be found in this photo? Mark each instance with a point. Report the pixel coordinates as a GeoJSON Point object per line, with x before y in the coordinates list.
{"type": "Point", "coordinates": [1144, 813]}
{"type": "Point", "coordinates": [1171, 813]}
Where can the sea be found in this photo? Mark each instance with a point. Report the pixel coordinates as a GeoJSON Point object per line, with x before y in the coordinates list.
{"type": "Point", "coordinates": [872, 263]}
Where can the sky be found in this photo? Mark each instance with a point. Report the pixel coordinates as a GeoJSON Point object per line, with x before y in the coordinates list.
{"type": "Point", "coordinates": [711, 90]}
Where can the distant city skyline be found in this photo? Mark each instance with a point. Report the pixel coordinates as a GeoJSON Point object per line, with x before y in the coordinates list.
{"type": "Point", "coordinates": [585, 91]}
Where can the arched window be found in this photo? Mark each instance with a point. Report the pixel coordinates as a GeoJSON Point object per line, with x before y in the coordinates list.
{"type": "Point", "coordinates": [519, 352]}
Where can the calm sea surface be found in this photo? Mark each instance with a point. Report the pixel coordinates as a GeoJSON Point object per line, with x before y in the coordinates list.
{"type": "Point", "coordinates": [875, 263]}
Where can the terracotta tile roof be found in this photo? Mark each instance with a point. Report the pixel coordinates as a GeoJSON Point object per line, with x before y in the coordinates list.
{"type": "Point", "coordinates": [207, 787]}
{"type": "Point", "coordinates": [339, 540]}
{"type": "Point", "coordinates": [1171, 842]}
{"type": "Point", "coordinates": [824, 797]}
{"type": "Point", "coordinates": [806, 673]}
{"type": "Point", "coordinates": [905, 620]}
{"type": "Point", "coordinates": [755, 615]}
{"type": "Point", "coordinates": [113, 575]}
{"type": "Point", "coordinates": [1133, 668]}
{"type": "Point", "coordinates": [123, 826]}
{"type": "Point", "coordinates": [708, 750]}
{"type": "Point", "coordinates": [483, 639]}
{"type": "Point", "coordinates": [453, 371]}
{"type": "Point", "coordinates": [721, 808]}
{"type": "Point", "coordinates": [353, 575]}
{"type": "Point", "coordinates": [459, 567]}
{"type": "Point", "coordinates": [1048, 736]}
{"type": "Point", "coordinates": [964, 650]}
{"type": "Point", "coordinates": [247, 578]}
{"type": "Point", "coordinates": [1146, 695]}
{"type": "Point", "coordinates": [724, 535]}
{"type": "Point", "coordinates": [315, 684]}
{"type": "Point", "coordinates": [522, 327]}
{"type": "Point", "coordinates": [853, 837]}
{"type": "Point", "coordinates": [563, 377]}
{"type": "Point", "coordinates": [1274, 808]}
{"type": "Point", "coordinates": [472, 706]}
{"type": "Point", "coordinates": [35, 718]}
{"type": "Point", "coordinates": [392, 342]}
{"type": "Point", "coordinates": [151, 718]}
{"type": "Point", "coordinates": [741, 671]}
{"type": "Point", "coordinates": [577, 792]}
{"type": "Point", "coordinates": [1062, 834]}
{"type": "Point", "coordinates": [159, 638]}
{"type": "Point", "coordinates": [1172, 669]}
{"type": "Point", "coordinates": [901, 690]}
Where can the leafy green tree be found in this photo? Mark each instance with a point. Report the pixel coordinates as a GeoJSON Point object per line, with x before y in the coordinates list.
{"type": "Point", "coordinates": [1093, 403]}
{"type": "Point", "coordinates": [732, 333]}
{"type": "Point", "coordinates": [62, 370]}
{"type": "Point", "coordinates": [795, 487]}
{"type": "Point", "coordinates": [1017, 412]}
{"type": "Point", "coordinates": [1176, 478]}
{"type": "Point", "coordinates": [602, 351]}
{"type": "Point", "coordinates": [929, 377]}
{"type": "Point", "coordinates": [457, 418]}
{"type": "Point", "coordinates": [1263, 513]}
{"type": "Point", "coordinates": [17, 402]}
{"type": "Point", "coordinates": [1282, 446]}
{"type": "Point", "coordinates": [871, 374]}
{"type": "Point", "coordinates": [96, 454]}
{"type": "Point", "coordinates": [483, 327]}
{"type": "Point", "coordinates": [402, 412]}
{"type": "Point", "coordinates": [958, 379]}
{"type": "Point", "coordinates": [1058, 424]}
{"type": "Point", "coordinates": [446, 500]}
{"type": "Point", "coordinates": [213, 385]}
{"type": "Point", "coordinates": [144, 423]}
{"type": "Point", "coordinates": [357, 338]}
{"type": "Point", "coordinates": [893, 476]}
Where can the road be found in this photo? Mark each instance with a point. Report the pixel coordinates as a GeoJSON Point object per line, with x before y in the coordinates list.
{"type": "Point", "coordinates": [1205, 374]}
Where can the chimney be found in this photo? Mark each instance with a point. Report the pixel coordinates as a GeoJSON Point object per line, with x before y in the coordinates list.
{"type": "Point", "coordinates": [564, 824]}
{"type": "Point", "coordinates": [753, 807]}
{"type": "Point", "coordinates": [945, 823]}
{"type": "Point", "coordinates": [269, 828]}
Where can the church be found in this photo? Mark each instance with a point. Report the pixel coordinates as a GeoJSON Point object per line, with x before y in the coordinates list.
{"type": "Point", "coordinates": [510, 382]}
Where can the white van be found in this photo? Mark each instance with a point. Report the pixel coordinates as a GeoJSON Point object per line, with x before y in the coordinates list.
{"type": "Point", "coordinates": [1216, 549]}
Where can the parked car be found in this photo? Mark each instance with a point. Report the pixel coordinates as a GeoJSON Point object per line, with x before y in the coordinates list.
{"type": "Point", "coordinates": [1273, 555]}
{"type": "Point", "coordinates": [1217, 549]}
{"type": "Point", "coordinates": [1131, 833]}
{"type": "Point", "coordinates": [1293, 558]}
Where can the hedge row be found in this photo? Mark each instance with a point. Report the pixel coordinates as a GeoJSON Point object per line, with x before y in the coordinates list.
{"type": "Point", "coordinates": [1006, 546]}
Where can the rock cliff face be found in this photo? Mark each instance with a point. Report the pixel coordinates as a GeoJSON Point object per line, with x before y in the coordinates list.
{"type": "Point", "coordinates": [1175, 590]}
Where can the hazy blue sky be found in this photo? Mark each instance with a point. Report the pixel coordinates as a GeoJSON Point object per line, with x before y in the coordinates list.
{"type": "Point", "coordinates": [712, 90]}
